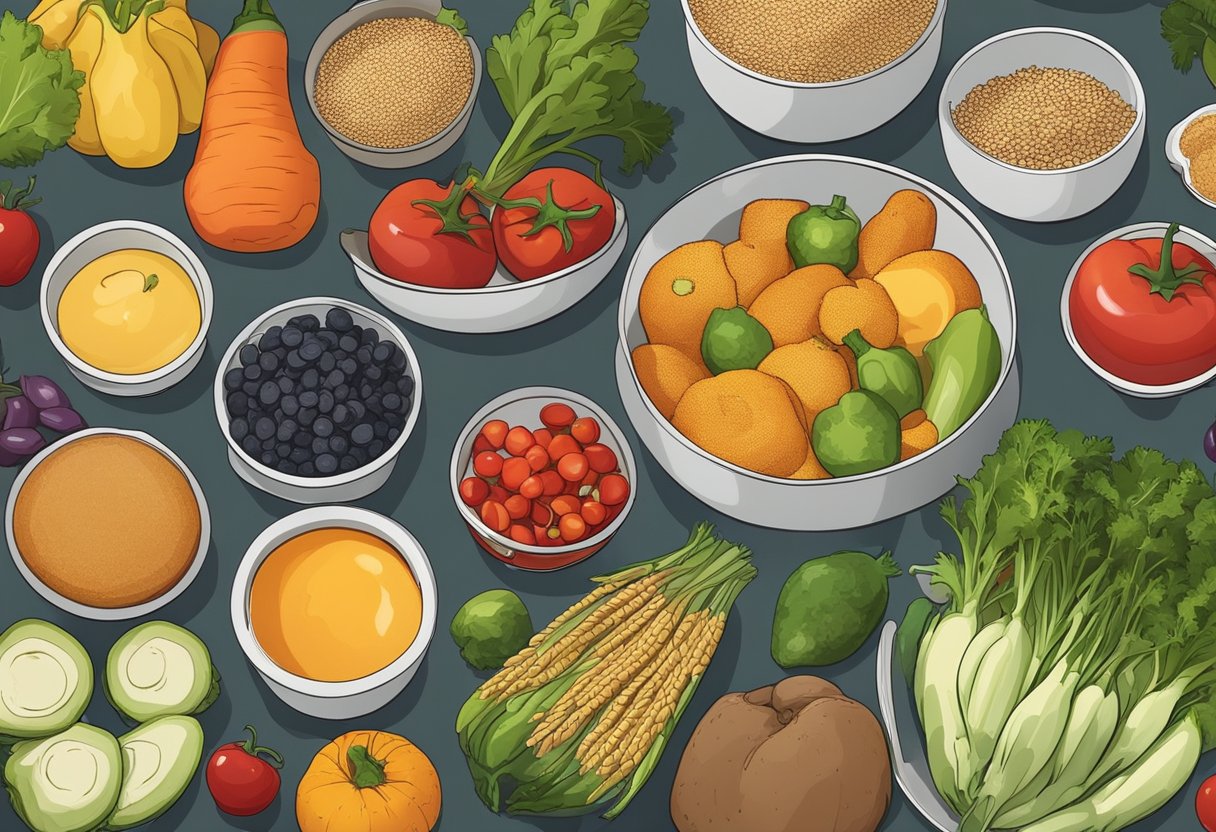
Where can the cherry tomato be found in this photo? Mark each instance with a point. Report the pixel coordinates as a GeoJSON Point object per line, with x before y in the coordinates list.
{"type": "Point", "coordinates": [565, 504]}
{"type": "Point", "coordinates": [563, 444]}
{"type": "Point", "coordinates": [430, 235]}
{"type": "Point", "coordinates": [514, 471]}
{"type": "Point", "coordinates": [1147, 318]}
{"type": "Point", "coordinates": [498, 494]}
{"type": "Point", "coordinates": [573, 467]}
{"type": "Point", "coordinates": [557, 416]}
{"type": "Point", "coordinates": [518, 506]}
{"type": "Point", "coordinates": [240, 781]}
{"type": "Point", "coordinates": [586, 430]}
{"type": "Point", "coordinates": [593, 512]}
{"type": "Point", "coordinates": [481, 445]}
{"type": "Point", "coordinates": [519, 439]}
{"type": "Point", "coordinates": [571, 527]}
{"type": "Point", "coordinates": [522, 534]}
{"type": "Point", "coordinates": [487, 464]}
{"type": "Point", "coordinates": [543, 437]}
{"type": "Point", "coordinates": [601, 458]}
{"type": "Point", "coordinates": [532, 487]}
{"type": "Point", "coordinates": [474, 491]}
{"type": "Point", "coordinates": [494, 514]}
{"type": "Point", "coordinates": [614, 490]}
{"type": "Point", "coordinates": [553, 482]}
{"type": "Point", "coordinates": [559, 218]}
{"type": "Point", "coordinates": [538, 459]}
{"type": "Point", "coordinates": [541, 533]}
{"type": "Point", "coordinates": [19, 235]}
{"type": "Point", "coordinates": [495, 432]}
{"type": "Point", "coordinates": [1205, 804]}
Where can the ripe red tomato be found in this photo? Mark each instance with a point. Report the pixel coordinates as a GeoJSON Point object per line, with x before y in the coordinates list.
{"type": "Point", "coordinates": [422, 234]}
{"type": "Point", "coordinates": [1205, 804]}
{"type": "Point", "coordinates": [19, 235]}
{"type": "Point", "coordinates": [550, 220]}
{"type": "Point", "coordinates": [240, 781]}
{"type": "Point", "coordinates": [1146, 321]}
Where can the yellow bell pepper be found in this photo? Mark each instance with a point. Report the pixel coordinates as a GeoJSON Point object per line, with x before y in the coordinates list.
{"type": "Point", "coordinates": [85, 44]}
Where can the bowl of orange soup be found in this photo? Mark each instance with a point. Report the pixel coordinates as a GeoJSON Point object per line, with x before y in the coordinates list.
{"type": "Point", "coordinates": [335, 607]}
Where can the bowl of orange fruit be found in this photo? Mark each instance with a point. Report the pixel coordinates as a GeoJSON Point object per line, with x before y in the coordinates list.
{"type": "Point", "coordinates": [818, 342]}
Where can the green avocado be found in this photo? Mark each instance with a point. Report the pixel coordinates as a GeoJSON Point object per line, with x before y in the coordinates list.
{"type": "Point", "coordinates": [829, 607]}
{"type": "Point", "coordinates": [160, 758]}
{"type": "Point", "coordinates": [491, 628]}
{"type": "Point", "coordinates": [160, 669]}
{"type": "Point", "coordinates": [734, 340]}
{"type": "Point", "coordinates": [65, 783]}
{"type": "Point", "coordinates": [48, 680]}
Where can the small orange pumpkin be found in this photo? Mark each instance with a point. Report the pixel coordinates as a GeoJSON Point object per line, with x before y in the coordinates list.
{"type": "Point", "coordinates": [369, 781]}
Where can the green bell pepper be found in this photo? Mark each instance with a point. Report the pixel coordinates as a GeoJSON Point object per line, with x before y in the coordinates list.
{"type": "Point", "coordinates": [891, 373]}
{"type": "Point", "coordinates": [825, 234]}
{"type": "Point", "coordinates": [859, 434]}
{"type": "Point", "coordinates": [734, 340]}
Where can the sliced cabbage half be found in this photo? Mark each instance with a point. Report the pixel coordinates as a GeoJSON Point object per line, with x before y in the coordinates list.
{"type": "Point", "coordinates": [160, 759]}
{"type": "Point", "coordinates": [46, 680]}
{"type": "Point", "coordinates": [65, 783]}
{"type": "Point", "coordinates": [160, 669]}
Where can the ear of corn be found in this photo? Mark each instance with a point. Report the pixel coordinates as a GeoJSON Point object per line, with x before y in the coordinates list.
{"type": "Point", "coordinates": [579, 718]}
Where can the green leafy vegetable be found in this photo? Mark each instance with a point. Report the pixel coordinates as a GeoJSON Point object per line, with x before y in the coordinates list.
{"type": "Point", "coordinates": [1189, 26]}
{"type": "Point", "coordinates": [1080, 636]}
{"type": "Point", "coordinates": [451, 17]}
{"type": "Point", "coordinates": [39, 103]}
{"type": "Point", "coordinates": [568, 77]}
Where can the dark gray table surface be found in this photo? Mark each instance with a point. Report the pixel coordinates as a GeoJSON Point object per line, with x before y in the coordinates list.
{"type": "Point", "coordinates": [575, 350]}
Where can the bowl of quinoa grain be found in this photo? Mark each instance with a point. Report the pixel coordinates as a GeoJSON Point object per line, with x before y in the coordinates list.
{"type": "Point", "coordinates": [812, 71]}
{"type": "Point", "coordinates": [392, 85]}
{"type": "Point", "coordinates": [1191, 149]}
{"type": "Point", "coordinates": [1042, 124]}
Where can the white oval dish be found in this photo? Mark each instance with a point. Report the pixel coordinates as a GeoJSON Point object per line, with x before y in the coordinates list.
{"type": "Point", "coordinates": [810, 113]}
{"type": "Point", "coordinates": [712, 212]}
{"type": "Point", "coordinates": [1204, 245]}
{"type": "Point", "coordinates": [402, 157]}
{"type": "Point", "coordinates": [1178, 161]}
{"type": "Point", "coordinates": [338, 488]}
{"type": "Point", "coordinates": [335, 700]}
{"type": "Point", "coordinates": [106, 613]}
{"type": "Point", "coordinates": [503, 305]}
{"type": "Point", "coordinates": [1041, 195]}
{"type": "Point", "coordinates": [103, 239]}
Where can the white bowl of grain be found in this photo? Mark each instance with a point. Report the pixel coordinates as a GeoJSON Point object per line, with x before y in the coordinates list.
{"type": "Point", "coordinates": [393, 87]}
{"type": "Point", "coordinates": [814, 70]}
{"type": "Point", "coordinates": [1028, 163]}
{"type": "Point", "coordinates": [1191, 149]}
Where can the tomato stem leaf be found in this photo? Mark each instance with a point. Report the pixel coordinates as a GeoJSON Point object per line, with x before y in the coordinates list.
{"type": "Point", "coordinates": [1166, 280]}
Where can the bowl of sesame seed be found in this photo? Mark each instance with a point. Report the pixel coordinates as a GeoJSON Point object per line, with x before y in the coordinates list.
{"type": "Point", "coordinates": [1042, 124]}
{"type": "Point", "coordinates": [813, 71]}
{"type": "Point", "coordinates": [393, 85]}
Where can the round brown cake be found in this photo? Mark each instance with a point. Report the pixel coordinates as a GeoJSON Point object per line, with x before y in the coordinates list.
{"type": "Point", "coordinates": [107, 521]}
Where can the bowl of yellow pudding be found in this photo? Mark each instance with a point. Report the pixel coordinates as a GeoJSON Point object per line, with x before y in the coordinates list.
{"type": "Point", "coordinates": [127, 305]}
{"type": "Point", "coordinates": [335, 608]}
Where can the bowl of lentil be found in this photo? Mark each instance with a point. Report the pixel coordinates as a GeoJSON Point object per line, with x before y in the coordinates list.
{"type": "Point", "coordinates": [813, 71]}
{"type": "Point", "coordinates": [392, 86]}
{"type": "Point", "coordinates": [264, 377]}
{"type": "Point", "coordinates": [1035, 140]}
{"type": "Point", "coordinates": [1191, 149]}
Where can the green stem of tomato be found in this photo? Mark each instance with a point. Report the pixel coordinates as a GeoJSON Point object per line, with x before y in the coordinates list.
{"type": "Point", "coordinates": [251, 747]}
{"type": "Point", "coordinates": [1165, 280]}
{"type": "Point", "coordinates": [367, 771]}
{"type": "Point", "coordinates": [549, 214]}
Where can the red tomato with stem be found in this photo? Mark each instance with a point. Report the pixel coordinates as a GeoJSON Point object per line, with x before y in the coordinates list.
{"type": "Point", "coordinates": [241, 782]}
{"type": "Point", "coordinates": [432, 235]}
{"type": "Point", "coordinates": [19, 235]}
{"type": "Point", "coordinates": [550, 220]}
{"type": "Point", "coordinates": [1147, 318]}
{"type": "Point", "coordinates": [1205, 804]}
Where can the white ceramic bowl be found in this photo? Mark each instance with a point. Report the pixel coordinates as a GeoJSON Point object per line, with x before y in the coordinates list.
{"type": "Point", "coordinates": [522, 407]}
{"type": "Point", "coordinates": [504, 305]}
{"type": "Point", "coordinates": [107, 613]}
{"type": "Point", "coordinates": [811, 113]}
{"type": "Point", "coordinates": [405, 157]}
{"type": "Point", "coordinates": [103, 239]}
{"type": "Point", "coordinates": [712, 212]}
{"type": "Point", "coordinates": [1180, 163]}
{"type": "Point", "coordinates": [1041, 195]}
{"type": "Point", "coordinates": [1145, 230]}
{"type": "Point", "coordinates": [341, 487]}
{"type": "Point", "coordinates": [335, 700]}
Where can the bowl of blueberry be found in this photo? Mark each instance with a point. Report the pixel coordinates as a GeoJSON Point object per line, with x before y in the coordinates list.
{"type": "Point", "coordinates": [316, 398]}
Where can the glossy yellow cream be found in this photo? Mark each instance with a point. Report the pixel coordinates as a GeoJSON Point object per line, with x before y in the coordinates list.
{"type": "Point", "coordinates": [335, 605]}
{"type": "Point", "coordinates": [130, 312]}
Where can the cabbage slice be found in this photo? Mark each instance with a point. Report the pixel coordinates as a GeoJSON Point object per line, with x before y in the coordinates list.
{"type": "Point", "coordinates": [65, 783]}
{"type": "Point", "coordinates": [160, 669]}
{"type": "Point", "coordinates": [160, 758]}
{"type": "Point", "coordinates": [46, 680]}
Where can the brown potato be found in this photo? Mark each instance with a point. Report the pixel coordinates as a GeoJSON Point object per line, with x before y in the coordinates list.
{"type": "Point", "coordinates": [907, 223]}
{"type": "Point", "coordinates": [680, 292]}
{"type": "Point", "coordinates": [665, 373]}
{"type": "Point", "coordinates": [864, 305]}
{"type": "Point", "coordinates": [798, 756]}
{"type": "Point", "coordinates": [789, 307]}
{"type": "Point", "coordinates": [816, 372]}
{"type": "Point", "coordinates": [755, 266]}
{"type": "Point", "coordinates": [766, 220]}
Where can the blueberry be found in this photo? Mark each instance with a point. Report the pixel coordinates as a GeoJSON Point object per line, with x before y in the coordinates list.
{"type": "Point", "coordinates": [349, 343]}
{"type": "Point", "coordinates": [339, 320]}
{"type": "Point", "coordinates": [362, 434]}
{"type": "Point", "coordinates": [310, 351]}
{"type": "Point", "coordinates": [369, 337]}
{"type": "Point", "coordinates": [363, 354]}
{"type": "Point", "coordinates": [376, 448]}
{"type": "Point", "coordinates": [237, 404]}
{"type": "Point", "coordinates": [339, 444]}
{"type": "Point", "coordinates": [406, 386]}
{"type": "Point", "coordinates": [295, 361]}
{"type": "Point", "coordinates": [269, 394]}
{"type": "Point", "coordinates": [282, 450]}
{"type": "Point", "coordinates": [311, 379]}
{"type": "Point", "coordinates": [288, 467]}
{"type": "Point", "coordinates": [394, 434]}
{"type": "Point", "coordinates": [309, 398]}
{"type": "Point", "coordinates": [308, 470]}
{"type": "Point", "coordinates": [233, 379]}
{"type": "Point", "coordinates": [249, 354]}
{"type": "Point", "coordinates": [292, 337]}
{"type": "Point", "coordinates": [342, 392]}
{"type": "Point", "coordinates": [398, 362]}
{"type": "Point", "coordinates": [365, 391]}
{"type": "Point", "coordinates": [375, 403]}
{"type": "Point", "coordinates": [252, 403]}
{"type": "Point", "coordinates": [238, 429]}
{"type": "Point", "coordinates": [320, 446]}
{"type": "Point", "coordinates": [348, 463]}
{"type": "Point", "coordinates": [271, 339]}
{"type": "Point", "coordinates": [348, 366]}
{"type": "Point", "coordinates": [268, 458]}
{"type": "Point", "coordinates": [360, 455]}
{"type": "Point", "coordinates": [325, 401]}
{"type": "Point", "coordinates": [250, 388]}
{"type": "Point", "coordinates": [286, 385]}
{"type": "Point", "coordinates": [341, 414]}
{"type": "Point", "coordinates": [287, 429]}
{"type": "Point", "coordinates": [323, 426]}
{"type": "Point", "coordinates": [290, 405]}
{"type": "Point", "coordinates": [380, 428]}
{"type": "Point", "coordinates": [300, 455]}
{"type": "Point", "coordinates": [252, 372]}
{"type": "Point", "coordinates": [334, 378]}
{"type": "Point", "coordinates": [327, 464]}
{"type": "Point", "coordinates": [306, 416]}
{"type": "Point", "coordinates": [384, 351]}
{"type": "Point", "coordinates": [393, 403]}
{"type": "Point", "coordinates": [327, 362]}
{"type": "Point", "coordinates": [268, 361]}
{"type": "Point", "coordinates": [250, 445]}
{"type": "Point", "coordinates": [386, 387]}
{"type": "Point", "coordinates": [357, 409]}
{"type": "Point", "coordinates": [264, 428]}
{"type": "Point", "coordinates": [302, 440]}
{"type": "Point", "coordinates": [307, 323]}
{"type": "Point", "coordinates": [374, 373]}
{"type": "Point", "coordinates": [394, 419]}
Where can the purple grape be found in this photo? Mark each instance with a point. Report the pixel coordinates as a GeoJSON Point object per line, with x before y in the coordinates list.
{"type": "Point", "coordinates": [19, 412]}
{"type": "Point", "coordinates": [43, 393]}
{"type": "Point", "coordinates": [21, 441]}
{"type": "Point", "coordinates": [1209, 443]}
{"type": "Point", "coordinates": [8, 459]}
{"type": "Point", "coordinates": [61, 419]}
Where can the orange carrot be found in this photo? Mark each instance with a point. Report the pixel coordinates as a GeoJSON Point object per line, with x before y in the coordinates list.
{"type": "Point", "coordinates": [254, 186]}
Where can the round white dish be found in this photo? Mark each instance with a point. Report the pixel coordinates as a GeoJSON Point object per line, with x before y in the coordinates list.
{"type": "Point", "coordinates": [712, 212]}
{"type": "Point", "coordinates": [1179, 162]}
{"type": "Point", "coordinates": [103, 239]}
{"type": "Point", "coordinates": [1041, 195]}
{"type": "Point", "coordinates": [335, 700]}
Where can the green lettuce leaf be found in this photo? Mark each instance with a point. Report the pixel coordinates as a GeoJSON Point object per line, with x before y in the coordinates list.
{"type": "Point", "coordinates": [39, 102]}
{"type": "Point", "coordinates": [1187, 25]}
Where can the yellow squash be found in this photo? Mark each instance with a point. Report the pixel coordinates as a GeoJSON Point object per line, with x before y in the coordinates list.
{"type": "Point", "coordinates": [57, 19]}
{"type": "Point", "coordinates": [189, 74]}
{"type": "Point", "coordinates": [85, 45]}
{"type": "Point", "coordinates": [208, 44]}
